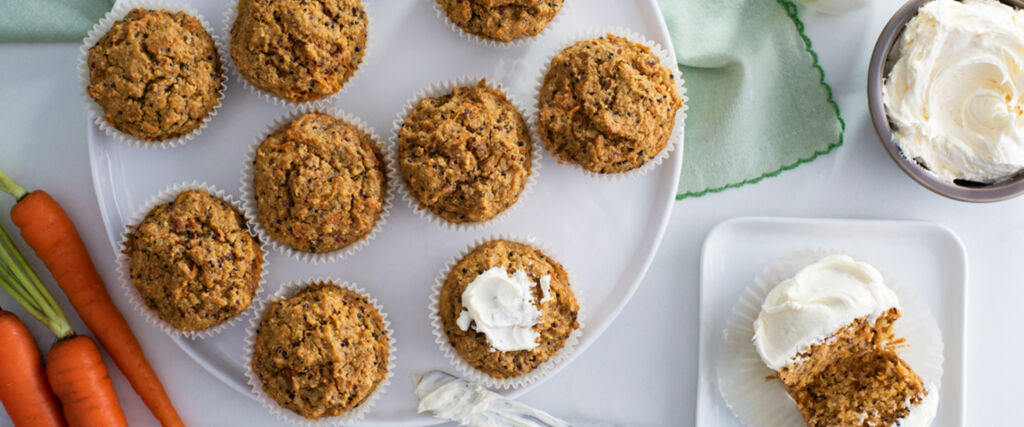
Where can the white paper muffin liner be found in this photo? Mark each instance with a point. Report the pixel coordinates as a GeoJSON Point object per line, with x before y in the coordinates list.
{"type": "Point", "coordinates": [742, 374]}
{"type": "Point", "coordinates": [225, 52]}
{"type": "Point", "coordinates": [249, 193]}
{"type": "Point", "coordinates": [482, 377]}
{"type": "Point", "coordinates": [285, 414]}
{"type": "Point", "coordinates": [96, 111]}
{"type": "Point", "coordinates": [168, 195]}
{"type": "Point", "coordinates": [444, 88]}
{"type": "Point", "coordinates": [675, 140]}
{"type": "Point", "coordinates": [443, 16]}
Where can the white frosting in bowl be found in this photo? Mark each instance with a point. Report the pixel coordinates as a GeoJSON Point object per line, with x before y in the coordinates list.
{"type": "Point", "coordinates": [819, 300]}
{"type": "Point", "coordinates": [956, 93]}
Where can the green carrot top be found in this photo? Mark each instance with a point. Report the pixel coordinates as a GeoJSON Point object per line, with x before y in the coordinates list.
{"type": "Point", "coordinates": [19, 280]}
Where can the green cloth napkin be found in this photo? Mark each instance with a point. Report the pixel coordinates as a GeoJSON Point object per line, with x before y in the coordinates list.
{"type": "Point", "coordinates": [49, 20]}
{"type": "Point", "coordinates": [759, 104]}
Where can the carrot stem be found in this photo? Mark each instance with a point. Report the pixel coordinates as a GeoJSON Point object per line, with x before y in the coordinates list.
{"type": "Point", "coordinates": [9, 186]}
{"type": "Point", "coordinates": [39, 291]}
{"type": "Point", "coordinates": [7, 284]}
{"type": "Point", "coordinates": [14, 277]}
{"type": "Point", "coordinates": [24, 285]}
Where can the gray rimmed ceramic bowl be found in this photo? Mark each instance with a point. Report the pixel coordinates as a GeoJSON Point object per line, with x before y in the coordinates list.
{"type": "Point", "coordinates": [882, 60]}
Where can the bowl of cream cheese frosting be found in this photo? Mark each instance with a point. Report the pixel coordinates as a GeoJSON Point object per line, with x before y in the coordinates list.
{"type": "Point", "coordinates": [946, 95]}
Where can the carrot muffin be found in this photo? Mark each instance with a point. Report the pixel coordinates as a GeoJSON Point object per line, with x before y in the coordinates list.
{"type": "Point", "coordinates": [465, 155]}
{"type": "Point", "coordinates": [319, 183]}
{"type": "Point", "coordinates": [156, 74]}
{"type": "Point", "coordinates": [828, 331]}
{"type": "Point", "coordinates": [501, 20]}
{"type": "Point", "coordinates": [506, 308]}
{"type": "Point", "coordinates": [300, 50]}
{"type": "Point", "coordinates": [193, 261]}
{"type": "Point", "coordinates": [322, 352]}
{"type": "Point", "coordinates": [608, 105]}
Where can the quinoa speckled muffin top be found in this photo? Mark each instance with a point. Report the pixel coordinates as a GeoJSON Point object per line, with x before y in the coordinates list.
{"type": "Point", "coordinates": [466, 155]}
{"type": "Point", "coordinates": [300, 50]}
{"type": "Point", "coordinates": [319, 183]}
{"type": "Point", "coordinates": [501, 20]}
{"type": "Point", "coordinates": [558, 315]}
{"type": "Point", "coordinates": [156, 74]}
{"type": "Point", "coordinates": [321, 352]}
{"type": "Point", "coordinates": [608, 105]}
{"type": "Point", "coordinates": [194, 261]}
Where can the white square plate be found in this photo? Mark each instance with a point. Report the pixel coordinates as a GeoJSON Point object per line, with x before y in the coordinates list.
{"type": "Point", "coordinates": [927, 257]}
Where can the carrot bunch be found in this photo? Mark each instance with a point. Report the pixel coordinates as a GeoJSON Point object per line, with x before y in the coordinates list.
{"type": "Point", "coordinates": [74, 367]}
{"type": "Point", "coordinates": [51, 234]}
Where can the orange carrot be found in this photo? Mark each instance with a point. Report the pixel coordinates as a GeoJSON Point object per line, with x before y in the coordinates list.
{"type": "Point", "coordinates": [76, 371]}
{"type": "Point", "coordinates": [48, 230]}
{"type": "Point", "coordinates": [24, 392]}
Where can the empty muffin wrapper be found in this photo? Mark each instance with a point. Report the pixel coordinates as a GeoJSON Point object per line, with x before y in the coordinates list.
{"type": "Point", "coordinates": [100, 29]}
{"type": "Point", "coordinates": [443, 16]}
{"type": "Point", "coordinates": [743, 377]}
{"type": "Point", "coordinates": [446, 88]}
{"type": "Point", "coordinates": [285, 414]}
{"type": "Point", "coordinates": [249, 193]}
{"type": "Point", "coordinates": [168, 195]}
{"type": "Point", "coordinates": [471, 373]}
{"type": "Point", "coordinates": [323, 102]}
{"type": "Point", "coordinates": [675, 140]}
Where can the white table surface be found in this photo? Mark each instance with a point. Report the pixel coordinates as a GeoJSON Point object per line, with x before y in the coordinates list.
{"type": "Point", "coordinates": [642, 371]}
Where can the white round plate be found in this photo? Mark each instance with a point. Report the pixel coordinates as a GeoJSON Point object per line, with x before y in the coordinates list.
{"type": "Point", "coordinates": [605, 231]}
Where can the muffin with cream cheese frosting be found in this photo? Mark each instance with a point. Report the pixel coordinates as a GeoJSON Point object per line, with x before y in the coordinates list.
{"type": "Point", "coordinates": [828, 332]}
{"type": "Point", "coordinates": [506, 308]}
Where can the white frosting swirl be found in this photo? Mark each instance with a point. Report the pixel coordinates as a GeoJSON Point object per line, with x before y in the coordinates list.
{"type": "Point", "coordinates": [502, 308]}
{"type": "Point", "coordinates": [819, 300]}
{"type": "Point", "coordinates": [955, 94]}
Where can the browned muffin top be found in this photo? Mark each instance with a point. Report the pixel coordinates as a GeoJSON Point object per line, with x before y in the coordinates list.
{"type": "Point", "coordinates": [194, 261]}
{"type": "Point", "coordinates": [300, 50]}
{"type": "Point", "coordinates": [319, 183]}
{"type": "Point", "coordinates": [608, 105]}
{"type": "Point", "coordinates": [465, 155]}
{"type": "Point", "coordinates": [501, 20]}
{"type": "Point", "coordinates": [321, 352]}
{"type": "Point", "coordinates": [156, 74]}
